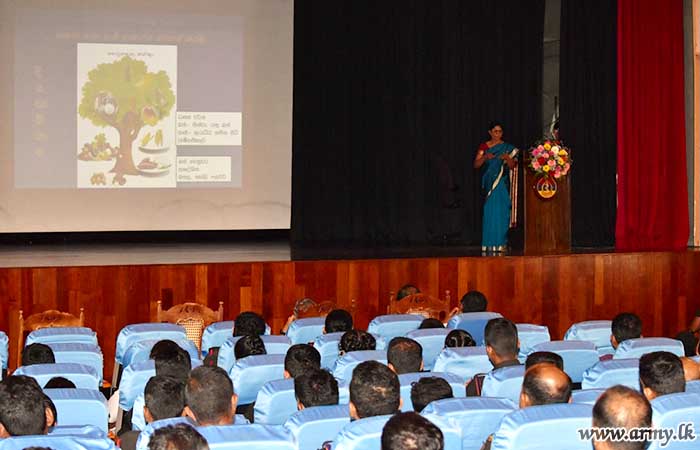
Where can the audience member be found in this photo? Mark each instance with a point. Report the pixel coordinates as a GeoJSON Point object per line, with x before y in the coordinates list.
{"type": "Point", "coordinates": [621, 407]}
{"type": "Point", "coordinates": [338, 320]}
{"type": "Point", "coordinates": [209, 397]}
{"type": "Point", "coordinates": [356, 340]}
{"type": "Point", "coordinates": [23, 409]}
{"type": "Point", "coordinates": [690, 342]}
{"type": "Point", "coordinates": [404, 355]}
{"type": "Point", "coordinates": [544, 358]}
{"type": "Point", "coordinates": [430, 323]}
{"type": "Point", "coordinates": [177, 437]}
{"type": "Point", "coordinates": [625, 326]}
{"type": "Point", "coordinates": [429, 389]}
{"type": "Point", "coordinates": [315, 387]}
{"type": "Point", "coordinates": [59, 383]}
{"type": "Point", "coordinates": [474, 301]}
{"type": "Point", "coordinates": [501, 338]}
{"type": "Point", "coordinates": [411, 431]}
{"type": "Point", "coordinates": [545, 384]}
{"type": "Point", "coordinates": [249, 346]}
{"type": "Point", "coordinates": [51, 413]}
{"type": "Point", "coordinates": [691, 369]}
{"type": "Point", "coordinates": [459, 338]}
{"type": "Point", "coordinates": [171, 360]}
{"type": "Point", "coordinates": [661, 373]}
{"type": "Point", "coordinates": [406, 290]}
{"type": "Point", "coordinates": [374, 391]}
{"type": "Point", "coordinates": [301, 358]}
{"type": "Point", "coordinates": [249, 323]}
{"type": "Point", "coordinates": [37, 354]}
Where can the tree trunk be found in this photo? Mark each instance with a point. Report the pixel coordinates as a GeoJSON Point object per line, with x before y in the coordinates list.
{"type": "Point", "coordinates": [125, 162]}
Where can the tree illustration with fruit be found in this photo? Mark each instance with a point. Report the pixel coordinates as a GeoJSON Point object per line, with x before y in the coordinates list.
{"type": "Point", "coordinates": [126, 96]}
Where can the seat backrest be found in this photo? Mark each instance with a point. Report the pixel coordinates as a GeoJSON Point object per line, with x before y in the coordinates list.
{"type": "Point", "coordinates": [81, 353]}
{"type": "Point", "coordinates": [133, 333]}
{"type": "Point", "coordinates": [669, 411]}
{"type": "Point", "coordinates": [432, 340]}
{"type": "Point", "coordinates": [77, 430]}
{"type": "Point", "coordinates": [79, 407]}
{"type": "Point", "coordinates": [605, 374]}
{"type": "Point", "coordinates": [141, 350]}
{"type": "Point", "coordinates": [477, 417]}
{"type": "Point", "coordinates": [58, 442]}
{"type": "Point", "coordinates": [303, 331]}
{"type": "Point", "coordinates": [327, 346]}
{"type": "Point", "coordinates": [692, 386]}
{"type": "Point", "coordinates": [276, 402]}
{"type": "Point", "coordinates": [4, 350]}
{"type": "Point", "coordinates": [82, 335]}
{"type": "Point", "coordinates": [474, 323]}
{"type": "Point", "coordinates": [596, 331]}
{"type": "Point", "coordinates": [311, 427]}
{"type": "Point", "coordinates": [361, 434]}
{"type": "Point", "coordinates": [81, 375]}
{"type": "Point", "coordinates": [530, 335]}
{"type": "Point", "coordinates": [247, 437]}
{"type": "Point", "coordinates": [250, 374]}
{"type": "Point", "coordinates": [406, 381]}
{"type": "Point", "coordinates": [464, 362]}
{"type": "Point", "coordinates": [635, 348]}
{"type": "Point", "coordinates": [145, 435]}
{"type": "Point", "coordinates": [506, 382]}
{"type": "Point", "coordinates": [347, 363]}
{"type": "Point", "coordinates": [451, 432]}
{"type": "Point", "coordinates": [389, 326]}
{"type": "Point", "coordinates": [577, 355]}
{"type": "Point", "coordinates": [587, 396]}
{"type": "Point", "coordinates": [545, 426]}
{"type": "Point", "coordinates": [215, 334]}
{"type": "Point", "coordinates": [274, 345]}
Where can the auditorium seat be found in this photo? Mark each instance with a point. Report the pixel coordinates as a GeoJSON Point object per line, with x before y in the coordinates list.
{"type": "Point", "coordinates": [669, 411]}
{"type": "Point", "coordinates": [635, 348]}
{"type": "Point", "coordinates": [474, 323]}
{"type": "Point", "coordinates": [274, 345]}
{"type": "Point", "coordinates": [311, 427]}
{"type": "Point", "coordinates": [406, 381]}
{"type": "Point", "coordinates": [596, 331]}
{"type": "Point", "coordinates": [77, 335]}
{"type": "Point", "coordinates": [77, 430]}
{"type": "Point", "coordinates": [327, 346]}
{"type": "Point", "coordinates": [58, 442]}
{"type": "Point", "coordinates": [464, 362]}
{"type": "Point", "coordinates": [432, 340]}
{"type": "Point", "coordinates": [389, 326]}
{"type": "Point", "coordinates": [361, 434]}
{"type": "Point", "coordinates": [692, 386]}
{"type": "Point", "coordinates": [250, 374]}
{"type": "Point", "coordinates": [530, 335]}
{"type": "Point", "coordinates": [587, 396]}
{"type": "Point", "coordinates": [216, 334]}
{"type": "Point", "coordinates": [79, 407]}
{"type": "Point", "coordinates": [4, 350]}
{"type": "Point", "coordinates": [145, 434]}
{"type": "Point", "coordinates": [544, 427]}
{"type": "Point", "coordinates": [506, 382]}
{"type": "Point", "coordinates": [275, 402]}
{"type": "Point", "coordinates": [304, 331]}
{"type": "Point", "coordinates": [477, 417]}
{"type": "Point", "coordinates": [577, 355]}
{"type": "Point", "coordinates": [605, 374]}
{"type": "Point", "coordinates": [140, 351]}
{"type": "Point", "coordinates": [80, 353]}
{"type": "Point", "coordinates": [347, 363]}
{"type": "Point", "coordinates": [451, 432]}
{"type": "Point", "coordinates": [81, 375]}
{"type": "Point", "coordinates": [247, 437]}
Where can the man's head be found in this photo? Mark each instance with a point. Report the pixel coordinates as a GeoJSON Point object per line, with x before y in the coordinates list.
{"type": "Point", "coordinates": [171, 360]}
{"type": "Point", "coordinates": [545, 384]}
{"type": "Point", "coordinates": [429, 389]}
{"type": "Point", "coordinates": [474, 301]}
{"type": "Point", "coordinates": [249, 346]}
{"type": "Point", "coordinates": [37, 354]}
{"type": "Point", "coordinates": [661, 373]}
{"type": "Point", "coordinates": [406, 290]}
{"type": "Point", "coordinates": [625, 326]}
{"type": "Point", "coordinates": [315, 387]}
{"type": "Point", "coordinates": [164, 398]}
{"type": "Point", "coordinates": [249, 323]}
{"type": "Point", "coordinates": [690, 342]}
{"type": "Point", "coordinates": [209, 396]}
{"type": "Point", "coordinates": [356, 340]}
{"type": "Point", "coordinates": [621, 407]}
{"type": "Point", "coordinates": [177, 437]}
{"type": "Point", "coordinates": [374, 390]}
{"type": "Point", "coordinates": [404, 355]}
{"type": "Point", "coordinates": [411, 431]}
{"type": "Point", "coordinates": [301, 358]}
{"type": "Point", "coordinates": [501, 338]}
{"type": "Point", "coordinates": [430, 323]}
{"type": "Point", "coordinates": [59, 383]}
{"type": "Point", "coordinates": [544, 358]}
{"type": "Point", "coordinates": [691, 369]}
{"type": "Point", "coordinates": [459, 338]}
{"type": "Point", "coordinates": [338, 320]}
{"type": "Point", "coordinates": [23, 410]}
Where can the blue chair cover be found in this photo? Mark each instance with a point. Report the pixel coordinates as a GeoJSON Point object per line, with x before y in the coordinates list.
{"type": "Point", "coordinates": [669, 411]}
{"type": "Point", "coordinates": [692, 386]}
{"type": "Point", "coordinates": [451, 432]}
{"type": "Point", "coordinates": [216, 334]}
{"type": "Point", "coordinates": [274, 345]}
{"type": "Point", "coordinates": [362, 434]}
{"type": "Point", "coordinates": [311, 427]}
{"type": "Point", "coordinates": [303, 331]}
{"type": "Point", "coordinates": [79, 407]}
{"type": "Point", "coordinates": [87, 354]}
{"type": "Point", "coordinates": [587, 396]}
{"type": "Point", "coordinates": [77, 430]}
{"type": "Point", "coordinates": [577, 355]}
{"type": "Point", "coordinates": [696, 358]}
{"type": "Point", "coordinates": [81, 375]}
{"type": "Point", "coordinates": [343, 392]}
{"type": "Point", "coordinates": [276, 402]}
{"type": "Point", "coordinates": [347, 363]}
{"type": "Point", "coordinates": [145, 435]}
{"type": "Point", "coordinates": [529, 336]}
{"type": "Point", "coordinates": [141, 350]}
{"type": "Point", "coordinates": [406, 381]}
{"type": "Point", "coordinates": [608, 373]}
{"type": "Point", "coordinates": [77, 335]}
{"type": "Point", "coordinates": [247, 437]}
{"type": "Point", "coordinates": [251, 373]}
{"type": "Point", "coordinates": [544, 427]}
{"type": "Point", "coordinates": [635, 348]}
{"type": "Point", "coordinates": [477, 417]}
{"type": "Point", "coordinates": [134, 333]}
{"type": "Point", "coordinates": [58, 442]}
{"type": "Point", "coordinates": [506, 382]}
{"type": "Point", "coordinates": [327, 346]}
{"type": "Point", "coordinates": [596, 331]}
{"type": "Point", "coordinates": [4, 349]}
{"type": "Point", "coordinates": [433, 341]}
{"type": "Point", "coordinates": [474, 323]}
{"type": "Point", "coordinates": [464, 362]}
{"type": "Point", "coordinates": [390, 326]}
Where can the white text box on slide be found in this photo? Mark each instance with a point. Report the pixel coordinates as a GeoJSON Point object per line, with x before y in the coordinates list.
{"type": "Point", "coordinates": [203, 169]}
{"type": "Point", "coordinates": [209, 128]}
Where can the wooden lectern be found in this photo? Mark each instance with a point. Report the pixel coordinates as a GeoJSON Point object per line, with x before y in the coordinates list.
{"type": "Point", "coordinates": [547, 222]}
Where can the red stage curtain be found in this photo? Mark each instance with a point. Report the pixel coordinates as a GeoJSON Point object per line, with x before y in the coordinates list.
{"type": "Point", "coordinates": [652, 209]}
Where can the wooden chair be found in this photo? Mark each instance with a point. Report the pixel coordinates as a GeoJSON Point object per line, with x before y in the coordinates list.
{"type": "Point", "coordinates": [423, 304]}
{"type": "Point", "coordinates": [192, 316]}
{"type": "Point", "coordinates": [48, 319]}
{"type": "Point", "coordinates": [307, 307]}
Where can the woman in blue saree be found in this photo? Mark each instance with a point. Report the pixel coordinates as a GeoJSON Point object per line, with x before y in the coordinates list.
{"type": "Point", "coordinates": [498, 160]}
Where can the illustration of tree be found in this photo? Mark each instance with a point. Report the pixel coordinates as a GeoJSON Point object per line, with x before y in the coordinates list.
{"type": "Point", "coordinates": [124, 95]}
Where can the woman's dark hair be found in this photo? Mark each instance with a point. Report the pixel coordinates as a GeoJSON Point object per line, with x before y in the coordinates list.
{"type": "Point", "coordinates": [430, 323]}
{"type": "Point", "coordinates": [338, 320]}
{"type": "Point", "coordinates": [495, 123]}
{"type": "Point", "coordinates": [459, 338]}
{"type": "Point", "coordinates": [356, 340]}
{"type": "Point", "coordinates": [248, 346]}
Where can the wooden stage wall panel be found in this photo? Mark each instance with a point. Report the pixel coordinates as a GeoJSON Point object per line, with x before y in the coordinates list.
{"type": "Point", "coordinates": [552, 290]}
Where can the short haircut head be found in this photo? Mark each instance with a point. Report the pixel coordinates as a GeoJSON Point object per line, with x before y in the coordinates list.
{"type": "Point", "coordinates": [459, 338]}
{"type": "Point", "coordinates": [429, 389]}
{"type": "Point", "coordinates": [544, 357]}
{"type": "Point", "coordinates": [690, 342]}
{"type": "Point", "coordinates": [164, 397]}
{"type": "Point", "coordinates": [474, 301]}
{"type": "Point", "coordinates": [626, 326]}
{"type": "Point", "coordinates": [502, 336]}
{"type": "Point", "coordinates": [662, 372]}
{"type": "Point", "coordinates": [249, 323]}
{"type": "Point", "coordinates": [374, 390]}
{"type": "Point", "coordinates": [356, 340]}
{"type": "Point", "coordinates": [338, 320]}
{"type": "Point", "coordinates": [208, 394]}
{"type": "Point", "coordinates": [59, 383]}
{"type": "Point", "coordinates": [171, 360]}
{"type": "Point", "coordinates": [301, 358]}
{"type": "Point", "coordinates": [177, 437]}
{"type": "Point", "coordinates": [545, 384]}
{"type": "Point", "coordinates": [406, 290]}
{"type": "Point", "coordinates": [405, 355]}
{"type": "Point", "coordinates": [622, 407]}
{"type": "Point", "coordinates": [22, 406]}
{"type": "Point", "coordinates": [316, 387]}
{"type": "Point", "coordinates": [249, 346]}
{"type": "Point", "coordinates": [37, 354]}
{"type": "Point", "coordinates": [411, 431]}
{"type": "Point", "coordinates": [430, 323]}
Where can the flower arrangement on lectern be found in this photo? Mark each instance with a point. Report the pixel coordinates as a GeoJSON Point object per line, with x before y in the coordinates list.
{"type": "Point", "coordinates": [549, 160]}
